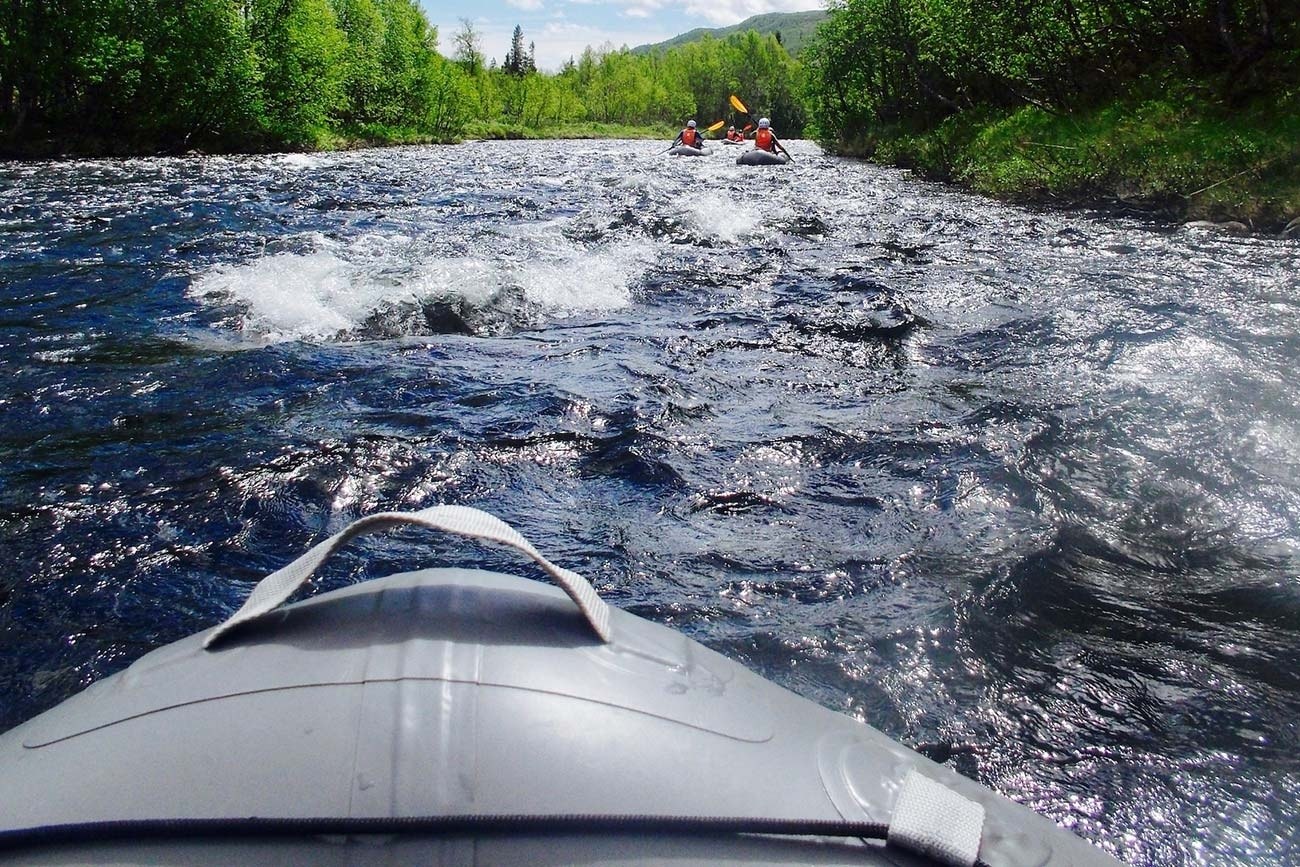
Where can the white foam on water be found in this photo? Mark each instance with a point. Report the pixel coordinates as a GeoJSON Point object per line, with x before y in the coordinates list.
{"type": "Point", "coordinates": [721, 215]}
{"type": "Point", "coordinates": [300, 161]}
{"type": "Point", "coordinates": [597, 283]}
{"type": "Point", "coordinates": [325, 293]}
{"type": "Point", "coordinates": [476, 280]}
{"type": "Point", "coordinates": [565, 277]}
{"type": "Point", "coordinates": [291, 296]}
{"type": "Point", "coordinates": [1185, 366]}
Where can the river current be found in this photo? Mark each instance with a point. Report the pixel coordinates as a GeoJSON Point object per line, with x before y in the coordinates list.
{"type": "Point", "coordinates": [1019, 488]}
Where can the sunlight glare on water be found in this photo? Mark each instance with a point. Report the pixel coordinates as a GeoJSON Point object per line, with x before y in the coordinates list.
{"type": "Point", "coordinates": [1021, 489]}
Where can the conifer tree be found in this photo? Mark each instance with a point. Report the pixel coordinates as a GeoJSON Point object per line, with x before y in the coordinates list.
{"type": "Point", "coordinates": [516, 58]}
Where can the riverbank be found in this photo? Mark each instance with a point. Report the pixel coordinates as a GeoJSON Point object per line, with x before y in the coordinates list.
{"type": "Point", "coordinates": [51, 146]}
{"type": "Point", "coordinates": [1168, 152]}
{"type": "Point", "coordinates": [492, 130]}
{"type": "Point", "coordinates": [62, 147]}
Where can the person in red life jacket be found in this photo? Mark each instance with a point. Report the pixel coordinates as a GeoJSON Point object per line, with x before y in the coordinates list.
{"type": "Point", "coordinates": [734, 134]}
{"type": "Point", "coordinates": [765, 139]}
{"type": "Point", "coordinates": [690, 136]}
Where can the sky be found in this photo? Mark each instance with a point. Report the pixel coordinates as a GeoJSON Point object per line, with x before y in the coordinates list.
{"type": "Point", "coordinates": [563, 28]}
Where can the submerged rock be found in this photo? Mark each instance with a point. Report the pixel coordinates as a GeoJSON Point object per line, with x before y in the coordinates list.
{"type": "Point", "coordinates": [1231, 227]}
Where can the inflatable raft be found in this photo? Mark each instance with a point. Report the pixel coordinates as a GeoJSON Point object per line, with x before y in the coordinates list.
{"type": "Point", "coordinates": [451, 716]}
{"type": "Point", "coordinates": [760, 157]}
{"type": "Point", "coordinates": [685, 151]}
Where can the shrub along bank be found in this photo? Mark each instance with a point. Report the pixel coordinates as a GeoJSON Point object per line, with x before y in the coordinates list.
{"type": "Point", "coordinates": [1187, 110]}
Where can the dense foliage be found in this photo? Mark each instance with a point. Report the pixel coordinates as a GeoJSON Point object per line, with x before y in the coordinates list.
{"type": "Point", "coordinates": [612, 90]}
{"type": "Point", "coordinates": [659, 88]}
{"type": "Point", "coordinates": [162, 74]}
{"type": "Point", "coordinates": [148, 75]}
{"type": "Point", "coordinates": [1186, 107]}
{"type": "Point", "coordinates": [879, 62]}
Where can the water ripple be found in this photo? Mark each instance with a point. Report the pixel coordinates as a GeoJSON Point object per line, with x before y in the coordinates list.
{"type": "Point", "coordinates": [1022, 489]}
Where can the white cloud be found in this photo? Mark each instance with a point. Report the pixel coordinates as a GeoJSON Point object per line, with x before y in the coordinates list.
{"type": "Point", "coordinates": [526, 5]}
{"type": "Point", "coordinates": [727, 12]}
{"type": "Point", "coordinates": [715, 12]}
{"type": "Point", "coordinates": [562, 40]}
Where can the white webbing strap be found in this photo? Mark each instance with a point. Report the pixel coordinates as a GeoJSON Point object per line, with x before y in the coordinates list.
{"type": "Point", "coordinates": [462, 520]}
{"type": "Point", "coordinates": [932, 819]}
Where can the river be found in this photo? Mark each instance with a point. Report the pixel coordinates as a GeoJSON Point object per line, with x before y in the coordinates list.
{"type": "Point", "coordinates": [1019, 488]}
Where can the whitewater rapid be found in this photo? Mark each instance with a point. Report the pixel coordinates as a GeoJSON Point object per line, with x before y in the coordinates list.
{"type": "Point", "coordinates": [1020, 488]}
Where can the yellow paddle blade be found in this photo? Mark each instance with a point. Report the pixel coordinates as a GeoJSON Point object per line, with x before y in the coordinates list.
{"type": "Point", "coordinates": [738, 105]}
{"type": "Point", "coordinates": [717, 126]}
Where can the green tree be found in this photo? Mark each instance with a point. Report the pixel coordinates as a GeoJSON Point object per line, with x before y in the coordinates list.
{"type": "Point", "coordinates": [469, 53]}
{"type": "Point", "coordinates": [363, 60]}
{"type": "Point", "coordinates": [516, 62]}
{"type": "Point", "coordinates": [300, 50]}
{"type": "Point", "coordinates": [408, 54]}
{"type": "Point", "coordinates": [450, 99]}
{"type": "Point", "coordinates": [915, 62]}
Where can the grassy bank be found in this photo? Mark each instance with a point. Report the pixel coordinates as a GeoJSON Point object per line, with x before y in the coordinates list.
{"type": "Point", "coordinates": [373, 135]}
{"type": "Point", "coordinates": [497, 130]}
{"type": "Point", "coordinates": [1166, 150]}
{"type": "Point", "coordinates": [50, 146]}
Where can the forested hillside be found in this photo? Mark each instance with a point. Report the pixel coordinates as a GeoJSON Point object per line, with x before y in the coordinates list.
{"type": "Point", "coordinates": [142, 76]}
{"type": "Point", "coordinates": [1191, 106]}
{"type": "Point", "coordinates": [791, 29]}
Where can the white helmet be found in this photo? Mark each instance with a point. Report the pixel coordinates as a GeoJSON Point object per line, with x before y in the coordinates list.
{"type": "Point", "coordinates": [764, 123]}
{"type": "Point", "coordinates": [691, 124]}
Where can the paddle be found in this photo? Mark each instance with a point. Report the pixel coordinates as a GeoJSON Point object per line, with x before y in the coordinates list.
{"type": "Point", "coordinates": [740, 107]}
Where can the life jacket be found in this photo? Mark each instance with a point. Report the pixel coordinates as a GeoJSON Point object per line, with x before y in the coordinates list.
{"type": "Point", "coordinates": [735, 135]}
{"type": "Point", "coordinates": [691, 137]}
{"type": "Point", "coordinates": [765, 140]}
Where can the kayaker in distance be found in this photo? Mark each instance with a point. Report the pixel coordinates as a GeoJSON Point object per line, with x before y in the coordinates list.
{"type": "Point", "coordinates": [734, 134]}
{"type": "Point", "coordinates": [690, 136]}
{"type": "Point", "coordinates": [765, 139]}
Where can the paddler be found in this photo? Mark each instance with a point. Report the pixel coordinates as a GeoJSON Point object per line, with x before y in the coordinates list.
{"type": "Point", "coordinates": [734, 134]}
{"type": "Point", "coordinates": [765, 139]}
{"type": "Point", "coordinates": [690, 136]}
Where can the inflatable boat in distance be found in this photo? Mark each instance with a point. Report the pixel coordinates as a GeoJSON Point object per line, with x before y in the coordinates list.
{"type": "Point", "coordinates": [688, 151]}
{"type": "Point", "coordinates": [451, 716]}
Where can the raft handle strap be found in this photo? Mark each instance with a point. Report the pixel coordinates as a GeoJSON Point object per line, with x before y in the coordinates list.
{"type": "Point", "coordinates": [932, 819]}
{"type": "Point", "coordinates": [275, 588]}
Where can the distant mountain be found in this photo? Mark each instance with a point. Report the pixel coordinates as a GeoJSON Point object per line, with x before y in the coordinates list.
{"type": "Point", "coordinates": [795, 29]}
